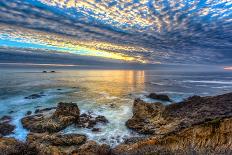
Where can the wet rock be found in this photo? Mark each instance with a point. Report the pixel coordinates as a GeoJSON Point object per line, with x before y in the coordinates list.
{"type": "Point", "coordinates": [11, 146]}
{"type": "Point", "coordinates": [162, 97]}
{"type": "Point", "coordinates": [44, 71]}
{"type": "Point", "coordinates": [44, 110]}
{"type": "Point", "coordinates": [35, 96]}
{"type": "Point", "coordinates": [88, 121]}
{"type": "Point", "coordinates": [65, 115]}
{"type": "Point", "coordinates": [29, 113]}
{"type": "Point", "coordinates": [53, 71]}
{"type": "Point", "coordinates": [5, 119]}
{"type": "Point", "coordinates": [96, 130]}
{"type": "Point", "coordinates": [92, 148]}
{"type": "Point", "coordinates": [197, 121]}
{"type": "Point", "coordinates": [6, 129]}
{"type": "Point", "coordinates": [47, 144]}
{"type": "Point", "coordinates": [142, 114]}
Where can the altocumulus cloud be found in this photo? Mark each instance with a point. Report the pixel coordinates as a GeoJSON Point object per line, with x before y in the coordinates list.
{"type": "Point", "coordinates": [143, 31]}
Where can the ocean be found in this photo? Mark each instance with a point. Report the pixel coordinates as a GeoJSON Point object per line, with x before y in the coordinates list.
{"type": "Point", "coordinates": [101, 92]}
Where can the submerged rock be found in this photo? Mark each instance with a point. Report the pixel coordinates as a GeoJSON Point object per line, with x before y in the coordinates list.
{"type": "Point", "coordinates": [162, 97]}
{"type": "Point", "coordinates": [35, 96]}
{"type": "Point", "coordinates": [44, 110]}
{"type": "Point", "coordinates": [65, 115]}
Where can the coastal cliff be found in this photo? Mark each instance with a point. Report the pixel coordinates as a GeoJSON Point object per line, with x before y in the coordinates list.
{"type": "Point", "coordinates": [197, 125]}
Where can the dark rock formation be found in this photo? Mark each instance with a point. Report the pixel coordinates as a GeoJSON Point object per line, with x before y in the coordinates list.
{"type": "Point", "coordinates": [159, 119]}
{"type": "Point", "coordinates": [56, 144]}
{"type": "Point", "coordinates": [162, 97]}
{"type": "Point", "coordinates": [65, 115]}
{"type": "Point", "coordinates": [214, 137]}
{"type": "Point", "coordinates": [88, 121]}
{"type": "Point", "coordinates": [35, 96]}
{"type": "Point", "coordinates": [10, 146]}
{"type": "Point", "coordinates": [92, 148]}
{"type": "Point", "coordinates": [29, 113]}
{"type": "Point", "coordinates": [5, 127]}
{"type": "Point", "coordinates": [198, 125]}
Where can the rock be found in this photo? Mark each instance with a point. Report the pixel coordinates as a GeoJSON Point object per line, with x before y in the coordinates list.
{"type": "Point", "coordinates": [197, 125]}
{"type": "Point", "coordinates": [142, 113]}
{"type": "Point", "coordinates": [65, 115]}
{"type": "Point", "coordinates": [159, 119]}
{"type": "Point", "coordinates": [44, 71]}
{"type": "Point", "coordinates": [29, 113]}
{"type": "Point", "coordinates": [55, 143]}
{"type": "Point", "coordinates": [35, 96]}
{"type": "Point", "coordinates": [162, 97]}
{"type": "Point", "coordinates": [213, 137]}
{"type": "Point", "coordinates": [96, 130]}
{"type": "Point", "coordinates": [44, 110]}
{"type": "Point", "coordinates": [5, 119]}
{"type": "Point", "coordinates": [11, 146]}
{"type": "Point", "coordinates": [92, 148]}
{"type": "Point", "coordinates": [6, 129]}
{"type": "Point", "coordinates": [52, 71]}
{"type": "Point", "coordinates": [88, 121]}
{"type": "Point", "coordinates": [101, 119]}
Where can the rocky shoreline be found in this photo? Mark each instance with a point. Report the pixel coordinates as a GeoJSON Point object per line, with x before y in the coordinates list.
{"type": "Point", "coordinates": [197, 125]}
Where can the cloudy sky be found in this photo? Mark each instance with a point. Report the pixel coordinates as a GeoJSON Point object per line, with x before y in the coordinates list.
{"type": "Point", "coordinates": [117, 31]}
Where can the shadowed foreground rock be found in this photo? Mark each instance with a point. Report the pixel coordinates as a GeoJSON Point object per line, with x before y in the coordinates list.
{"type": "Point", "coordinates": [65, 115]}
{"type": "Point", "coordinates": [198, 125]}
{"type": "Point", "coordinates": [5, 127]}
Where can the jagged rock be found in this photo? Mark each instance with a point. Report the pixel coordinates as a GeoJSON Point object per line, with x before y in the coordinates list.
{"type": "Point", "coordinates": [92, 148]}
{"type": "Point", "coordinates": [162, 97]}
{"type": "Point", "coordinates": [55, 144]}
{"type": "Point", "coordinates": [198, 125]}
{"type": "Point", "coordinates": [11, 146]}
{"type": "Point", "coordinates": [88, 121]}
{"type": "Point", "coordinates": [65, 115]}
{"type": "Point", "coordinates": [214, 137]}
{"type": "Point", "coordinates": [5, 119]}
{"type": "Point", "coordinates": [159, 119]}
{"type": "Point", "coordinates": [142, 114]}
{"type": "Point", "coordinates": [6, 129]}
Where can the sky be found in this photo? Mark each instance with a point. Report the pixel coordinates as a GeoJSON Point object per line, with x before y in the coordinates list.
{"type": "Point", "coordinates": [116, 31]}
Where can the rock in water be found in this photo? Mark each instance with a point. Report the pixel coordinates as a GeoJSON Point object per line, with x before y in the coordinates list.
{"type": "Point", "coordinates": [65, 115]}
{"type": "Point", "coordinates": [198, 125]}
{"type": "Point", "coordinates": [5, 127]}
{"type": "Point", "coordinates": [162, 97]}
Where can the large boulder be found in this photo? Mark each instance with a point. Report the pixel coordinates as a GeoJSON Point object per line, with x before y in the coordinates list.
{"type": "Point", "coordinates": [143, 113]}
{"type": "Point", "coordinates": [55, 144]}
{"type": "Point", "coordinates": [92, 148]}
{"type": "Point", "coordinates": [11, 146]}
{"type": "Point", "coordinates": [65, 115]}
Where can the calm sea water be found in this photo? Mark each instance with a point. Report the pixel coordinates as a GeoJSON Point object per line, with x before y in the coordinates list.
{"type": "Point", "coordinates": [102, 92]}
